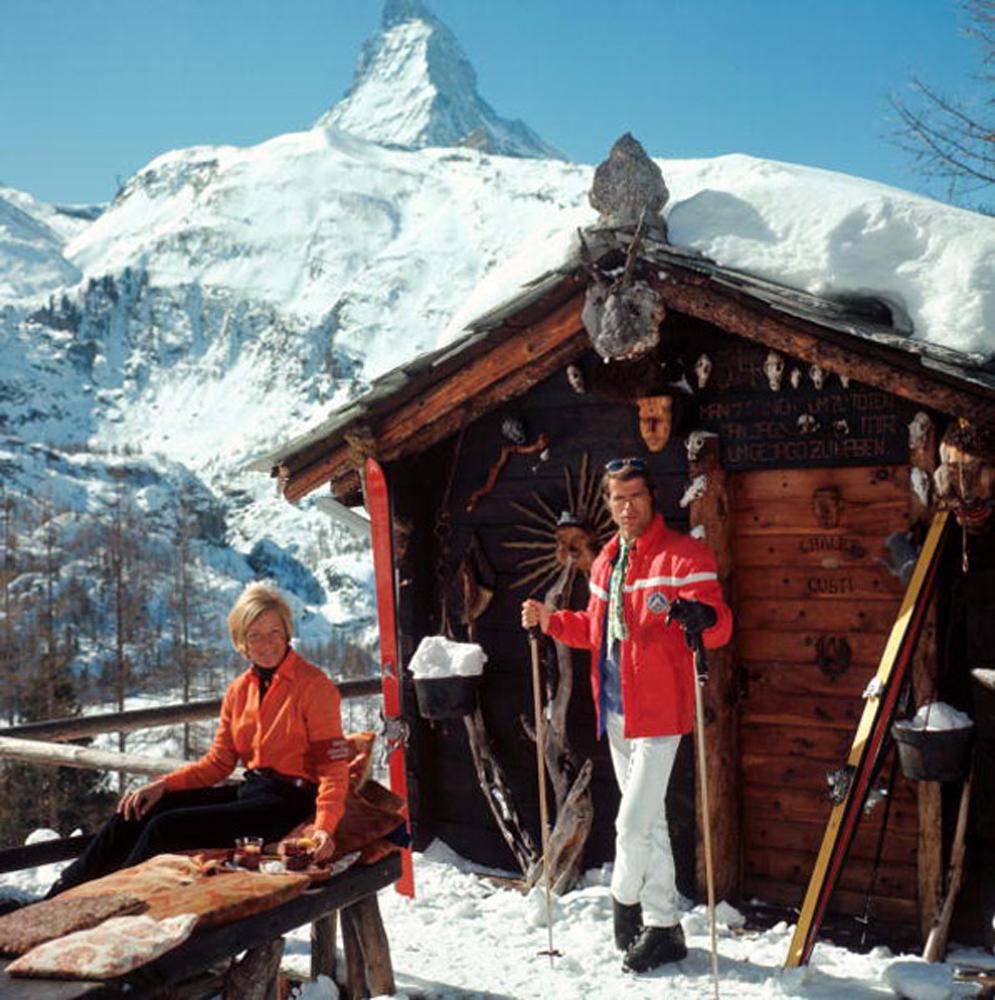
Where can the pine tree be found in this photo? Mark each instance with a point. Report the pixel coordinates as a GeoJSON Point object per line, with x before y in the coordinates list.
{"type": "Point", "coordinates": [43, 795]}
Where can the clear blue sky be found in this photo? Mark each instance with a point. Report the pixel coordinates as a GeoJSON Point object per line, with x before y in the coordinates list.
{"type": "Point", "coordinates": [91, 90]}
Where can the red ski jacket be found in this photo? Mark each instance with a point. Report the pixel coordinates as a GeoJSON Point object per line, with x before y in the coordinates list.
{"type": "Point", "coordinates": [296, 730]}
{"type": "Point", "coordinates": [657, 670]}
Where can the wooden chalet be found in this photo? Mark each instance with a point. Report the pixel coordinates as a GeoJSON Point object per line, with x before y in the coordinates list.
{"type": "Point", "coordinates": [790, 419]}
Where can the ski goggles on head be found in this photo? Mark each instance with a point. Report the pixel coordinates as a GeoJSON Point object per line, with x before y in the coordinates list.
{"type": "Point", "coordinates": [618, 464]}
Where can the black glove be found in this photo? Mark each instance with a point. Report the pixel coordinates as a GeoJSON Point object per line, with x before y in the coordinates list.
{"type": "Point", "coordinates": [692, 616]}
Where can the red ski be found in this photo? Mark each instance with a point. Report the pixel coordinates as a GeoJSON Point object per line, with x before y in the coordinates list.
{"type": "Point", "coordinates": [871, 737]}
{"type": "Point", "coordinates": [381, 534]}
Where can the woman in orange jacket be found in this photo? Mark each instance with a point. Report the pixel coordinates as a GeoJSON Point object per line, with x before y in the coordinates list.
{"type": "Point", "coordinates": [280, 719]}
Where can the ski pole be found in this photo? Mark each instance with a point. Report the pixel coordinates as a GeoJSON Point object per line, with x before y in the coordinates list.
{"type": "Point", "coordinates": [541, 765]}
{"type": "Point", "coordinates": [701, 672]}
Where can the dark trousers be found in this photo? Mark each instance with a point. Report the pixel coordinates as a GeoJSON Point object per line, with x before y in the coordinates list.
{"type": "Point", "coordinates": [260, 806]}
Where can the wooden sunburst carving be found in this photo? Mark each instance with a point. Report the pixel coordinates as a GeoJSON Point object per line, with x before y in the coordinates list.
{"type": "Point", "coordinates": [571, 536]}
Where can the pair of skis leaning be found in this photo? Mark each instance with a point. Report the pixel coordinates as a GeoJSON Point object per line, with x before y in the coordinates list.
{"type": "Point", "coordinates": [873, 732]}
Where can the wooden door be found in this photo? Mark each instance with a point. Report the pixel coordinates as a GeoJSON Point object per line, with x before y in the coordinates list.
{"type": "Point", "coordinates": [815, 600]}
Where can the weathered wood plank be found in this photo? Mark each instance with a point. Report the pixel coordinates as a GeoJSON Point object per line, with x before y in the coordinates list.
{"type": "Point", "coordinates": [896, 881]}
{"type": "Point", "coordinates": [930, 854]}
{"type": "Point", "coordinates": [837, 549]}
{"type": "Point", "coordinates": [803, 679]}
{"type": "Point", "coordinates": [855, 485]}
{"type": "Point", "coordinates": [208, 946]}
{"type": "Point", "coordinates": [34, 751]}
{"type": "Point", "coordinates": [323, 960]}
{"type": "Point", "coordinates": [771, 835]}
{"type": "Point", "coordinates": [509, 369]}
{"type": "Point", "coordinates": [13, 859]}
{"type": "Point", "coordinates": [253, 977]}
{"type": "Point", "coordinates": [895, 373]}
{"type": "Point", "coordinates": [785, 771]}
{"type": "Point", "coordinates": [805, 615]}
{"type": "Point", "coordinates": [720, 695]}
{"type": "Point", "coordinates": [369, 968]}
{"type": "Point", "coordinates": [828, 747]}
{"type": "Point", "coordinates": [817, 711]}
{"type": "Point", "coordinates": [795, 515]}
{"type": "Point", "coordinates": [843, 901]}
{"type": "Point", "coordinates": [148, 718]}
{"type": "Point", "coordinates": [802, 805]}
{"type": "Point", "coordinates": [803, 647]}
{"type": "Point", "coordinates": [787, 583]}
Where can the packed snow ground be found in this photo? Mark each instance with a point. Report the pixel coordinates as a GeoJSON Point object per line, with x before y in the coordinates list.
{"type": "Point", "coordinates": [464, 937]}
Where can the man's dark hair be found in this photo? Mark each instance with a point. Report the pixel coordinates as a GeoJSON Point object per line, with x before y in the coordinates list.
{"type": "Point", "coordinates": [625, 475]}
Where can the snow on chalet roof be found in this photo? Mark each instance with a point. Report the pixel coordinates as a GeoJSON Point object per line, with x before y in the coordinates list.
{"type": "Point", "coordinates": [847, 254]}
{"type": "Point", "coordinates": [838, 239]}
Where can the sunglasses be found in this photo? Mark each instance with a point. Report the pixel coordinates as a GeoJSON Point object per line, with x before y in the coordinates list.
{"type": "Point", "coordinates": [618, 464]}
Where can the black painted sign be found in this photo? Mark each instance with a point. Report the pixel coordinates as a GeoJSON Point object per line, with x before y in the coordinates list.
{"type": "Point", "coordinates": [799, 423]}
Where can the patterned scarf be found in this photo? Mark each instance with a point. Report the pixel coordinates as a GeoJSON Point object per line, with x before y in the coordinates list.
{"type": "Point", "coordinates": [617, 628]}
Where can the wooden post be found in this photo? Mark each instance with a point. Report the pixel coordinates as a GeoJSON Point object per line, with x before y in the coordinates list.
{"type": "Point", "coordinates": [710, 513]}
{"type": "Point", "coordinates": [369, 971]}
{"type": "Point", "coordinates": [929, 852]}
{"type": "Point", "coordinates": [323, 946]}
{"type": "Point", "coordinates": [254, 977]}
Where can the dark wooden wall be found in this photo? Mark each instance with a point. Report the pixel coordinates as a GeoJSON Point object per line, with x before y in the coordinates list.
{"type": "Point", "coordinates": [967, 642]}
{"type": "Point", "coordinates": [449, 802]}
{"type": "Point", "coordinates": [796, 583]}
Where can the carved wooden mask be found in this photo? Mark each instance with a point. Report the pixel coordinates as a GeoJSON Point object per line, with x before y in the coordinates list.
{"type": "Point", "coordinates": [655, 420]}
{"type": "Point", "coordinates": [965, 478]}
{"type": "Point", "coordinates": [578, 543]}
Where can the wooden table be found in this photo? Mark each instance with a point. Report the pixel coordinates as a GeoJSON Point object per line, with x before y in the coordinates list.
{"type": "Point", "coordinates": [354, 888]}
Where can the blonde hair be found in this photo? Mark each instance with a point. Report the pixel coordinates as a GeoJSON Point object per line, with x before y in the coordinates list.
{"type": "Point", "coordinates": [255, 600]}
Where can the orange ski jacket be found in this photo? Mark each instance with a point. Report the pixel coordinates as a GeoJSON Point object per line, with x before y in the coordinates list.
{"type": "Point", "coordinates": [297, 731]}
{"type": "Point", "coordinates": [656, 666]}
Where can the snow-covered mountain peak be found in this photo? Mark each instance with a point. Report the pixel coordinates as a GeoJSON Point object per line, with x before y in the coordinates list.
{"type": "Point", "coordinates": [414, 87]}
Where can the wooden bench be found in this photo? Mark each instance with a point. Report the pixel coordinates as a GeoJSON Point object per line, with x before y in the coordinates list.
{"type": "Point", "coordinates": [203, 964]}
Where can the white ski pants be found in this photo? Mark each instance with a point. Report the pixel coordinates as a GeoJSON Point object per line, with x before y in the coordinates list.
{"type": "Point", "coordinates": [644, 863]}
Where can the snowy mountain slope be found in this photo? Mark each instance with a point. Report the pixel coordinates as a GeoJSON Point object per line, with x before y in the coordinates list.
{"type": "Point", "coordinates": [229, 298]}
{"type": "Point", "coordinates": [32, 238]}
{"type": "Point", "coordinates": [415, 87]}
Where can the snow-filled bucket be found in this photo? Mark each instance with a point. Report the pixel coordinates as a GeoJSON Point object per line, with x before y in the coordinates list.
{"type": "Point", "coordinates": [935, 744]}
{"type": "Point", "coordinates": [446, 675]}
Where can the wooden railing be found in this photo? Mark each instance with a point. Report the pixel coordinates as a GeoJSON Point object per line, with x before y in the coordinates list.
{"type": "Point", "coordinates": [40, 743]}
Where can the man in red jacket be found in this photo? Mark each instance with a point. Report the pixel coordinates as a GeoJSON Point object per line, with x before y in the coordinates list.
{"type": "Point", "coordinates": [653, 591]}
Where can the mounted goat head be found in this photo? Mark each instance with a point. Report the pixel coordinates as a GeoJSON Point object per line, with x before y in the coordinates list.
{"type": "Point", "coordinates": [622, 317]}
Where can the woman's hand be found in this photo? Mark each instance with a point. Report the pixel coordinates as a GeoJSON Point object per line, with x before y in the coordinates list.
{"type": "Point", "coordinates": [535, 613]}
{"type": "Point", "coordinates": [136, 804]}
{"type": "Point", "coordinates": [324, 846]}
{"type": "Point", "coordinates": [320, 846]}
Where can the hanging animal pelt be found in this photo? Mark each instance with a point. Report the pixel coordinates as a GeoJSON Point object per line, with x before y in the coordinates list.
{"type": "Point", "coordinates": [623, 316]}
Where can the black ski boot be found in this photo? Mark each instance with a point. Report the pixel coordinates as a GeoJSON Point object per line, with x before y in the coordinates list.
{"type": "Point", "coordinates": [628, 921]}
{"type": "Point", "coordinates": [655, 946]}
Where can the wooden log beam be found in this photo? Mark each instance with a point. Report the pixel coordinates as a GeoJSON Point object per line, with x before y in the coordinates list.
{"type": "Point", "coordinates": [253, 977]}
{"type": "Point", "coordinates": [720, 696]}
{"type": "Point", "coordinates": [148, 718]}
{"type": "Point", "coordinates": [924, 456]}
{"type": "Point", "coordinates": [369, 970]}
{"type": "Point", "coordinates": [893, 371]}
{"type": "Point", "coordinates": [509, 369]}
{"type": "Point", "coordinates": [36, 752]}
{"type": "Point", "coordinates": [323, 946]}
{"type": "Point", "coordinates": [13, 859]}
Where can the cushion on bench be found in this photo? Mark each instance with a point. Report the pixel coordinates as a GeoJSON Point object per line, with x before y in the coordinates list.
{"type": "Point", "coordinates": [51, 918]}
{"type": "Point", "coordinates": [117, 946]}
